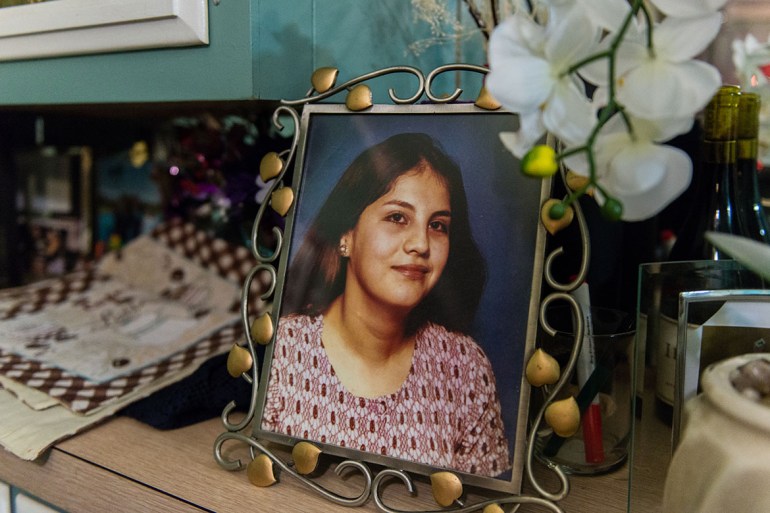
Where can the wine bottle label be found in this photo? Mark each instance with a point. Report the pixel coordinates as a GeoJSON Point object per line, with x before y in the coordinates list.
{"type": "Point", "coordinates": [665, 377]}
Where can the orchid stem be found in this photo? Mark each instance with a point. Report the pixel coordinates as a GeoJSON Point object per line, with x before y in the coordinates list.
{"type": "Point", "coordinates": [650, 25]}
{"type": "Point", "coordinates": [572, 151]}
{"type": "Point", "coordinates": [588, 60]}
{"type": "Point", "coordinates": [613, 107]}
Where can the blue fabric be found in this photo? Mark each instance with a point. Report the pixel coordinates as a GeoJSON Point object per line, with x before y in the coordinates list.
{"type": "Point", "coordinates": [198, 397]}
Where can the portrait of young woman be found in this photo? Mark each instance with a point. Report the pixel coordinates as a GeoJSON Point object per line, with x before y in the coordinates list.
{"type": "Point", "coordinates": [391, 305]}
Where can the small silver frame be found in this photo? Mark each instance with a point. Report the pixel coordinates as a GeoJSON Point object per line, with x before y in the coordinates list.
{"type": "Point", "coordinates": [688, 348]}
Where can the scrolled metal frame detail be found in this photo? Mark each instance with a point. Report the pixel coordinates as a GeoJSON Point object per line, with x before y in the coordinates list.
{"type": "Point", "coordinates": [265, 263]}
{"type": "Point", "coordinates": [561, 293]}
{"type": "Point", "coordinates": [443, 69]}
{"type": "Point", "coordinates": [312, 97]}
{"type": "Point", "coordinates": [285, 467]}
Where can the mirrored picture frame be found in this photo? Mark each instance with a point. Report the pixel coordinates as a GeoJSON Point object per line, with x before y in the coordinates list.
{"type": "Point", "coordinates": [736, 324]}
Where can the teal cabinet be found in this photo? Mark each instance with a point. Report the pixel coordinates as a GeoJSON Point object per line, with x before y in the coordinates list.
{"type": "Point", "coordinates": [258, 49]}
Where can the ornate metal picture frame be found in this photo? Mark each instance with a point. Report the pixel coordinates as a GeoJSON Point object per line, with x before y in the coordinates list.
{"type": "Point", "coordinates": [504, 219]}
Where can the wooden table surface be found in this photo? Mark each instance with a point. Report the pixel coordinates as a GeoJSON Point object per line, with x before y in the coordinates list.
{"type": "Point", "coordinates": [125, 466]}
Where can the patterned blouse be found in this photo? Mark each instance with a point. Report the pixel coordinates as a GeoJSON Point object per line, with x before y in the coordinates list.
{"type": "Point", "coordinates": [446, 413]}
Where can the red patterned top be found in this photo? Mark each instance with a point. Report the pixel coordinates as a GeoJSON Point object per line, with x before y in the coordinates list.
{"type": "Point", "coordinates": [446, 413]}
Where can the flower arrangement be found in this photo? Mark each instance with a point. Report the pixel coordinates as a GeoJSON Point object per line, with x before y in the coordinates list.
{"type": "Point", "coordinates": [752, 65]}
{"type": "Point", "coordinates": [206, 171]}
{"type": "Point", "coordinates": [612, 80]}
{"type": "Point", "coordinates": [445, 25]}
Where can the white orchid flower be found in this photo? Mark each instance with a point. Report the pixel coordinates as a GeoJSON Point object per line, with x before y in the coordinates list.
{"type": "Point", "coordinates": [688, 8]}
{"type": "Point", "coordinates": [645, 73]}
{"type": "Point", "coordinates": [608, 14]}
{"type": "Point", "coordinates": [531, 130]}
{"type": "Point", "coordinates": [751, 58]}
{"type": "Point", "coordinates": [529, 75]}
{"type": "Point", "coordinates": [635, 169]}
{"type": "Point", "coordinates": [667, 82]}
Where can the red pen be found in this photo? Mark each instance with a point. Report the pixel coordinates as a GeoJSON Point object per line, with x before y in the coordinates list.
{"type": "Point", "coordinates": [592, 417]}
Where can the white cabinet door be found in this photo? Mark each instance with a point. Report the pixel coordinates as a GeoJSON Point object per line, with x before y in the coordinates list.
{"type": "Point", "coordinates": [5, 498]}
{"type": "Point", "coordinates": [79, 27]}
{"type": "Point", "coordinates": [26, 504]}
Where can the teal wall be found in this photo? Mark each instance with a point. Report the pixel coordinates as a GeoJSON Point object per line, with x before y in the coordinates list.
{"type": "Point", "coordinates": [259, 49]}
{"type": "Point", "coordinates": [356, 37]}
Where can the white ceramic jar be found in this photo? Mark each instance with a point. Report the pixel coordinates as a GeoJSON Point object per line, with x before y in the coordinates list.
{"type": "Point", "coordinates": [722, 462]}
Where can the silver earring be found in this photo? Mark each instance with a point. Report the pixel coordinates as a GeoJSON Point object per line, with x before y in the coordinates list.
{"type": "Point", "coordinates": [344, 251]}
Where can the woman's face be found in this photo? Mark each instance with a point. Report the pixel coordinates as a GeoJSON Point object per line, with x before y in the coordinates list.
{"type": "Point", "coordinates": [400, 245]}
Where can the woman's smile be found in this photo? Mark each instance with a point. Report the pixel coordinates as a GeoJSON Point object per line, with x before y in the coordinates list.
{"type": "Point", "coordinates": [412, 271]}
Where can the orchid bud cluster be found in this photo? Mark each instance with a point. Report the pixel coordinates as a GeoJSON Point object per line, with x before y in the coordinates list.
{"type": "Point", "coordinates": [612, 80]}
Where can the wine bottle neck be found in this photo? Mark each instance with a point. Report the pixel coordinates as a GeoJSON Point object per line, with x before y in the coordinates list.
{"type": "Point", "coordinates": [719, 152]}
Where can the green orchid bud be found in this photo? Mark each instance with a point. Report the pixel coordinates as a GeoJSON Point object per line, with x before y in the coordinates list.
{"type": "Point", "coordinates": [612, 209]}
{"type": "Point", "coordinates": [557, 211]}
{"type": "Point", "coordinates": [540, 162]}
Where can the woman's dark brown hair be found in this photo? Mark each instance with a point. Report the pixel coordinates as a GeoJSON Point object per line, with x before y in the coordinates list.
{"type": "Point", "coordinates": [317, 274]}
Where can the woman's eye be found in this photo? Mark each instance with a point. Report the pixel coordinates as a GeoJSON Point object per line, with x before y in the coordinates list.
{"type": "Point", "coordinates": [396, 217]}
{"type": "Point", "coordinates": [439, 226]}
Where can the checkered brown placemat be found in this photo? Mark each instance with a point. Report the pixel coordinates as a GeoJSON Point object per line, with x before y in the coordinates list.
{"type": "Point", "coordinates": [229, 261]}
{"type": "Point", "coordinates": [35, 297]}
{"type": "Point", "coordinates": [84, 396]}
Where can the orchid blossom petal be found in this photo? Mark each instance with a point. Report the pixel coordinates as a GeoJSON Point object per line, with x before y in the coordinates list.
{"type": "Point", "coordinates": [629, 54]}
{"type": "Point", "coordinates": [531, 130]}
{"type": "Point", "coordinates": [681, 39]}
{"type": "Point", "coordinates": [635, 169]}
{"type": "Point", "coordinates": [666, 83]}
{"type": "Point", "coordinates": [572, 39]}
{"type": "Point", "coordinates": [659, 89]}
{"type": "Point", "coordinates": [662, 130]}
{"type": "Point", "coordinates": [520, 35]}
{"type": "Point", "coordinates": [640, 205]}
{"type": "Point", "coordinates": [519, 83]}
{"type": "Point", "coordinates": [608, 14]}
{"type": "Point", "coordinates": [568, 114]}
{"type": "Point", "coordinates": [688, 8]}
{"type": "Point", "coordinates": [519, 79]}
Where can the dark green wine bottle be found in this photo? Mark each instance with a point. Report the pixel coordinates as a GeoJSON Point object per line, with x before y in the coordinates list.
{"type": "Point", "coordinates": [713, 207]}
{"type": "Point", "coordinates": [751, 218]}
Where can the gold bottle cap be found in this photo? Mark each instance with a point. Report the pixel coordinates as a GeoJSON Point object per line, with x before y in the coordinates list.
{"type": "Point", "coordinates": [748, 125]}
{"type": "Point", "coordinates": [748, 115]}
{"type": "Point", "coordinates": [721, 115]}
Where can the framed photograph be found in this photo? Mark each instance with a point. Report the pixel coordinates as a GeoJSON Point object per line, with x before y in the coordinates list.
{"type": "Point", "coordinates": [53, 246]}
{"type": "Point", "coordinates": [714, 325]}
{"type": "Point", "coordinates": [407, 294]}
